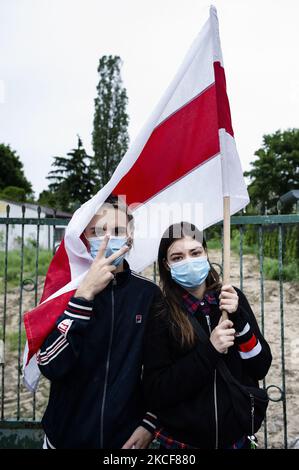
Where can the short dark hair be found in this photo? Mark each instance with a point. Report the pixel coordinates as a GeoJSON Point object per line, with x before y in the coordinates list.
{"type": "Point", "coordinates": [118, 203]}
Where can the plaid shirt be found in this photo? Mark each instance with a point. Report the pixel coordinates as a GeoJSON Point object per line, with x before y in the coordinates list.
{"type": "Point", "coordinates": [197, 308]}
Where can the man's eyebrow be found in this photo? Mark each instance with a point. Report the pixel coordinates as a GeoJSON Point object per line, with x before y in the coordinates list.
{"type": "Point", "coordinates": [104, 227]}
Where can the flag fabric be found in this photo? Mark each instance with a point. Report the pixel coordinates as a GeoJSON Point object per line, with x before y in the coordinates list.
{"type": "Point", "coordinates": [180, 166]}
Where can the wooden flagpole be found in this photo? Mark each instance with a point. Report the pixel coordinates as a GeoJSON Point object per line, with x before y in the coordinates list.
{"type": "Point", "coordinates": [226, 246]}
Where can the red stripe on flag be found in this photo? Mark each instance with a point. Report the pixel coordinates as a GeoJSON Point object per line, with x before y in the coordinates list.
{"type": "Point", "coordinates": [182, 142]}
{"type": "Point", "coordinates": [59, 273]}
{"type": "Point", "coordinates": [40, 321]}
{"type": "Point", "coordinates": [249, 345]}
{"type": "Point", "coordinates": [224, 116]}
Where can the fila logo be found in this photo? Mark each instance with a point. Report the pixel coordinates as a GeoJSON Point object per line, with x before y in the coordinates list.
{"type": "Point", "coordinates": [138, 318]}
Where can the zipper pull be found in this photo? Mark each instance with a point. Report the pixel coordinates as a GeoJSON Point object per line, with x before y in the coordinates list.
{"type": "Point", "coordinates": [253, 443]}
{"type": "Point", "coordinates": [209, 323]}
{"type": "Point", "coordinates": [252, 405]}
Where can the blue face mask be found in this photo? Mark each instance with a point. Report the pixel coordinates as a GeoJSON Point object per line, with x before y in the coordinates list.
{"type": "Point", "coordinates": [114, 244]}
{"type": "Point", "coordinates": [190, 273]}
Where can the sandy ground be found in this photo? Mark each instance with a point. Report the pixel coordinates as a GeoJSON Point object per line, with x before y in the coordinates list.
{"type": "Point", "coordinates": [272, 320]}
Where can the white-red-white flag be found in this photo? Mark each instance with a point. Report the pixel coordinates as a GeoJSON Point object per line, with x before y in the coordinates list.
{"type": "Point", "coordinates": [181, 165]}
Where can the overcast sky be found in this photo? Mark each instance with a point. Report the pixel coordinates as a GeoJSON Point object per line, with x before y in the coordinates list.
{"type": "Point", "coordinates": [49, 52]}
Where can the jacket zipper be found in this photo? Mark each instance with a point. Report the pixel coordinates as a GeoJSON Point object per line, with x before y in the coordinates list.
{"type": "Point", "coordinates": [107, 366]}
{"type": "Point", "coordinates": [215, 389]}
{"type": "Point", "coordinates": [253, 444]}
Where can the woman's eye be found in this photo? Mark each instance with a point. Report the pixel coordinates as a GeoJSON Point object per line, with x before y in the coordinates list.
{"type": "Point", "coordinates": [176, 259]}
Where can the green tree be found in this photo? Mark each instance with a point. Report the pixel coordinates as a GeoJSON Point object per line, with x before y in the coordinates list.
{"type": "Point", "coordinates": [48, 198]}
{"type": "Point", "coordinates": [13, 193]}
{"type": "Point", "coordinates": [11, 171]}
{"type": "Point", "coordinates": [275, 171]}
{"type": "Point", "coordinates": [72, 180]}
{"type": "Point", "coordinates": [110, 136]}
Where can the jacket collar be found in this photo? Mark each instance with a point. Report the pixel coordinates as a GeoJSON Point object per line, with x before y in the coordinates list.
{"type": "Point", "coordinates": [122, 277]}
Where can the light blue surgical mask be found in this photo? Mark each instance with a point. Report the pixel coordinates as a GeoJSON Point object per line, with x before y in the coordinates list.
{"type": "Point", "coordinates": [190, 273]}
{"type": "Point", "coordinates": [114, 244]}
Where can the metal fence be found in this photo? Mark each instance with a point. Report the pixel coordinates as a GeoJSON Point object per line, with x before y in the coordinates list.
{"type": "Point", "coordinates": [29, 286]}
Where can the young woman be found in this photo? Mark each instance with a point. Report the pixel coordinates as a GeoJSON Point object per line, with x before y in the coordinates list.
{"type": "Point", "coordinates": [181, 382]}
{"type": "Point", "coordinates": [93, 358]}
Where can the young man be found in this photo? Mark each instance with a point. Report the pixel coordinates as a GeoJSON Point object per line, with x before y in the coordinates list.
{"type": "Point", "coordinates": [94, 356]}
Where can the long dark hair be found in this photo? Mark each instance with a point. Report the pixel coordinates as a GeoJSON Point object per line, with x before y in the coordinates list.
{"type": "Point", "coordinates": [181, 327]}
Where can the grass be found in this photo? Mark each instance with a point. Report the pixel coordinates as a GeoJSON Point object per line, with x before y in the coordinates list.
{"type": "Point", "coordinates": [13, 281]}
{"type": "Point", "coordinates": [29, 271]}
{"type": "Point", "coordinates": [290, 271]}
{"type": "Point", "coordinates": [12, 340]}
{"type": "Point", "coordinates": [215, 244]}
